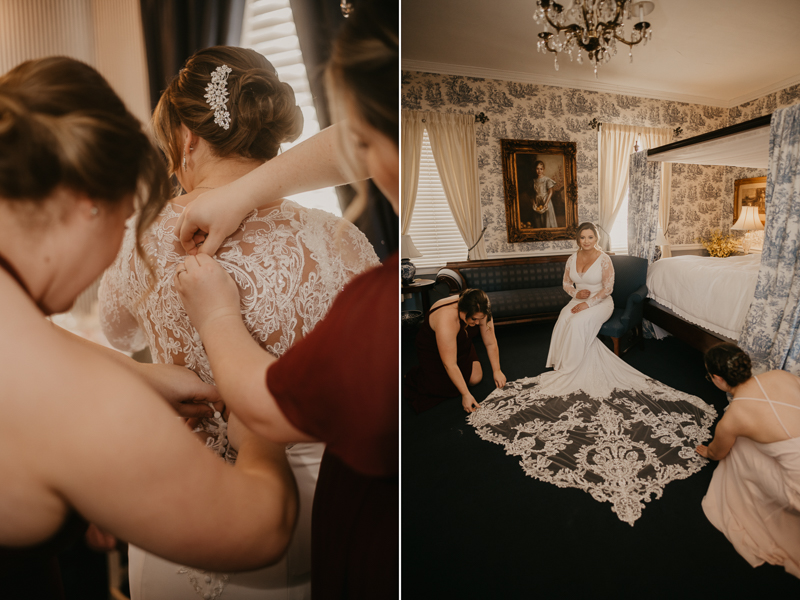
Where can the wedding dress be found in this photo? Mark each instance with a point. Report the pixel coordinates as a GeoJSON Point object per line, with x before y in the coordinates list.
{"type": "Point", "coordinates": [289, 263]}
{"type": "Point", "coordinates": [595, 423]}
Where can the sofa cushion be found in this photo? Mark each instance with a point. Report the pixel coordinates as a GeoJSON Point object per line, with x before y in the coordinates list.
{"type": "Point", "coordinates": [514, 277]}
{"type": "Point", "coordinates": [515, 303]}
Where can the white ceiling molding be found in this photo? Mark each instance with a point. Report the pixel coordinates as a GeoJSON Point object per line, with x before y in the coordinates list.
{"type": "Point", "coordinates": [776, 87]}
{"type": "Point", "coordinates": [599, 86]}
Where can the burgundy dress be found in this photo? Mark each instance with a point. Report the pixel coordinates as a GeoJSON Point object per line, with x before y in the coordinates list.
{"type": "Point", "coordinates": [429, 384]}
{"type": "Point", "coordinates": [339, 384]}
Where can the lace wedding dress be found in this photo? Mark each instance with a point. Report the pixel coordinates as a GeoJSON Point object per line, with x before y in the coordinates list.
{"type": "Point", "coordinates": [595, 423]}
{"type": "Point", "coordinates": [289, 263]}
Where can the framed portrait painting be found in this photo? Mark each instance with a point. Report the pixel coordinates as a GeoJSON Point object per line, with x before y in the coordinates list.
{"type": "Point", "coordinates": [541, 190]}
{"type": "Point", "coordinates": [750, 192]}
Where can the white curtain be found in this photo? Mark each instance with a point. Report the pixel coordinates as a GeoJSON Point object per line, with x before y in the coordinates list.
{"type": "Point", "coordinates": [411, 144]}
{"type": "Point", "coordinates": [653, 138]}
{"type": "Point", "coordinates": [455, 152]}
{"type": "Point", "coordinates": [616, 146]}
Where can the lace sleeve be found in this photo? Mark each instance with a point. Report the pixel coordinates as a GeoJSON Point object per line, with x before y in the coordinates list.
{"type": "Point", "coordinates": [569, 285]}
{"type": "Point", "coordinates": [608, 281]}
{"type": "Point", "coordinates": [119, 325]}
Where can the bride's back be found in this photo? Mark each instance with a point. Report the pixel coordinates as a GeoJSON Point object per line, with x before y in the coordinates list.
{"type": "Point", "coordinates": [289, 263]}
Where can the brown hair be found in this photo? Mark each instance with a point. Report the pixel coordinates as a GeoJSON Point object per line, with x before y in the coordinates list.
{"type": "Point", "coordinates": [263, 111]}
{"type": "Point", "coordinates": [584, 227]}
{"type": "Point", "coordinates": [472, 301]}
{"type": "Point", "coordinates": [61, 124]}
{"type": "Point", "coordinates": [363, 74]}
{"type": "Point", "coordinates": [729, 362]}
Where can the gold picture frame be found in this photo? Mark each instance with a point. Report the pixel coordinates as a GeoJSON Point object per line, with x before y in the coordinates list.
{"type": "Point", "coordinates": [753, 191]}
{"type": "Point", "coordinates": [540, 207]}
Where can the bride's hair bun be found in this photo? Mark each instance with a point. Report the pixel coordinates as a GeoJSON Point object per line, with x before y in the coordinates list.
{"type": "Point", "coordinates": [263, 110]}
{"type": "Point", "coordinates": [729, 362]}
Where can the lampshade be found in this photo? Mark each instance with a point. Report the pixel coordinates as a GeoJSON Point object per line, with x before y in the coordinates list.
{"type": "Point", "coordinates": [407, 248]}
{"type": "Point", "coordinates": [748, 219]}
{"type": "Point", "coordinates": [661, 239]}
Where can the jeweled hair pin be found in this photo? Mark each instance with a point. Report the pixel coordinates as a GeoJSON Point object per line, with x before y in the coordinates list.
{"type": "Point", "coordinates": [217, 96]}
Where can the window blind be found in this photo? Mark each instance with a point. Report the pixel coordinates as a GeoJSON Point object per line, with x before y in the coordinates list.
{"type": "Point", "coordinates": [433, 228]}
{"type": "Point", "coordinates": [269, 29]}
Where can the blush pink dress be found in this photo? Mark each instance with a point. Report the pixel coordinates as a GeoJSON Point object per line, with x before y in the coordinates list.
{"type": "Point", "coordinates": [754, 497]}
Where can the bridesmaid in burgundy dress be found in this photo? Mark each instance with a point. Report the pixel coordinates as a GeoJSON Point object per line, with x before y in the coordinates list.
{"type": "Point", "coordinates": [448, 362]}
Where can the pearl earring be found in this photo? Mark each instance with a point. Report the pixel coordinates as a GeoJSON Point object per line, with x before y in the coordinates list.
{"type": "Point", "coordinates": [95, 211]}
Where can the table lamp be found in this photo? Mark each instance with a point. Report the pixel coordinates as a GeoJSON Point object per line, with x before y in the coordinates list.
{"type": "Point", "coordinates": [407, 251]}
{"type": "Point", "coordinates": [748, 222]}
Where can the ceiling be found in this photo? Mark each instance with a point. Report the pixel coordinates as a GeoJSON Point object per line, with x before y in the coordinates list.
{"type": "Point", "coordinates": [714, 52]}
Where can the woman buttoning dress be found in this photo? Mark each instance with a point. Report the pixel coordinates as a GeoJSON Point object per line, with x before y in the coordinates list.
{"type": "Point", "coordinates": [595, 423]}
{"type": "Point", "coordinates": [223, 116]}
{"type": "Point", "coordinates": [754, 496]}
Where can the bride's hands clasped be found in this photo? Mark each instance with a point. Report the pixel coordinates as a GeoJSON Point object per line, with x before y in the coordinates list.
{"type": "Point", "coordinates": [579, 307]}
{"type": "Point", "coordinates": [207, 291]}
{"type": "Point", "coordinates": [583, 294]}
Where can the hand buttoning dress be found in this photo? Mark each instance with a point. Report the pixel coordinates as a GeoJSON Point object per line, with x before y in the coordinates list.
{"type": "Point", "coordinates": [595, 423]}
{"type": "Point", "coordinates": [754, 496]}
{"type": "Point", "coordinates": [289, 263]}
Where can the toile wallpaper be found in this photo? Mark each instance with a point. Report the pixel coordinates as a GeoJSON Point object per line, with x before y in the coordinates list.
{"type": "Point", "coordinates": [702, 196]}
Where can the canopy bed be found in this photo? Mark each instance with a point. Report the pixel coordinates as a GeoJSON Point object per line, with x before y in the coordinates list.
{"type": "Point", "coordinates": [754, 300]}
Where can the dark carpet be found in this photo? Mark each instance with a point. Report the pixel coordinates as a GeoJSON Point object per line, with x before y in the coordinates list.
{"type": "Point", "coordinates": [475, 526]}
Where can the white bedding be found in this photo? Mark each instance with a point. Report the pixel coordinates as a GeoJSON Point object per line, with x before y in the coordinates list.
{"type": "Point", "coordinates": [714, 293]}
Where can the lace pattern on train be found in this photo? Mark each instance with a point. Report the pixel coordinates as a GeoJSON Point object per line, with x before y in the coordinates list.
{"type": "Point", "coordinates": [289, 263]}
{"type": "Point", "coordinates": [622, 448]}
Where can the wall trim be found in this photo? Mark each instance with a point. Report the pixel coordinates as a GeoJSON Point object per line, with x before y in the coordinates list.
{"type": "Point", "coordinates": [775, 87]}
{"type": "Point", "coordinates": [483, 73]}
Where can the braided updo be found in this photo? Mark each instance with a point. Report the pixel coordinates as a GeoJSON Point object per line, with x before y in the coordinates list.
{"type": "Point", "coordinates": [729, 362]}
{"type": "Point", "coordinates": [263, 110]}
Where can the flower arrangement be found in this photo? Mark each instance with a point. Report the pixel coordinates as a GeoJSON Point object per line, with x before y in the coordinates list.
{"type": "Point", "coordinates": [720, 245]}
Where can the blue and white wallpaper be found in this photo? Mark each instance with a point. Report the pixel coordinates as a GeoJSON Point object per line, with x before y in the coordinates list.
{"type": "Point", "coordinates": [702, 196]}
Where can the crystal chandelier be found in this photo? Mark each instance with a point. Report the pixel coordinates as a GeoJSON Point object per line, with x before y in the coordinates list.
{"type": "Point", "coordinates": [594, 26]}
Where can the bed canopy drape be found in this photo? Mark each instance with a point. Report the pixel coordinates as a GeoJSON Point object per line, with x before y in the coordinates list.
{"type": "Point", "coordinates": [770, 334]}
{"type": "Point", "coordinates": [643, 202]}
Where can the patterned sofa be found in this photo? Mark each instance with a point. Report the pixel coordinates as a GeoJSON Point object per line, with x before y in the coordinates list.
{"type": "Point", "coordinates": [520, 289]}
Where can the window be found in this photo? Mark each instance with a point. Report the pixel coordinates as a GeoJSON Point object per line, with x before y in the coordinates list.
{"type": "Point", "coordinates": [619, 230]}
{"type": "Point", "coordinates": [269, 29]}
{"type": "Point", "coordinates": [432, 227]}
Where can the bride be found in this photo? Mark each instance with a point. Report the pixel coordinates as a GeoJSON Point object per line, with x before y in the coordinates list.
{"type": "Point", "coordinates": [224, 115]}
{"type": "Point", "coordinates": [594, 422]}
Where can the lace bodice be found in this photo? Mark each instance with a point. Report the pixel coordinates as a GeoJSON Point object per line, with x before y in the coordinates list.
{"type": "Point", "coordinates": [289, 263]}
{"type": "Point", "coordinates": [598, 279]}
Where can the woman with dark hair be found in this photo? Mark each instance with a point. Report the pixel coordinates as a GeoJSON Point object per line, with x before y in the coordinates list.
{"type": "Point", "coordinates": [448, 362]}
{"type": "Point", "coordinates": [339, 384]}
{"type": "Point", "coordinates": [595, 422]}
{"type": "Point", "coordinates": [223, 116]}
{"type": "Point", "coordinates": [754, 496]}
{"type": "Point", "coordinates": [82, 433]}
